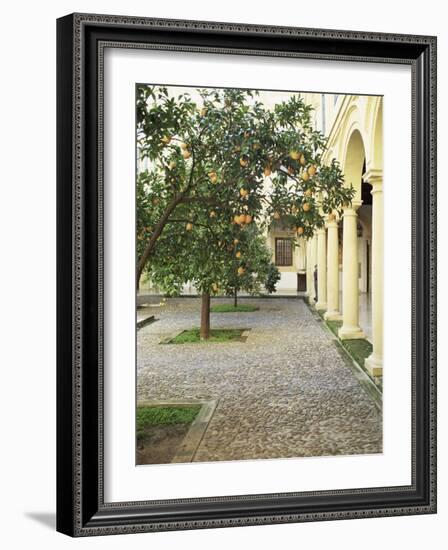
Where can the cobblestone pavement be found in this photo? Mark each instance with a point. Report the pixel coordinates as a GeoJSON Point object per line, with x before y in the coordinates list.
{"type": "Point", "coordinates": [285, 392]}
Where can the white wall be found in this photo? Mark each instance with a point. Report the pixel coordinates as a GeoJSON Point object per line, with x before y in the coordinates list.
{"type": "Point", "coordinates": [27, 230]}
{"type": "Point", "coordinates": [288, 281]}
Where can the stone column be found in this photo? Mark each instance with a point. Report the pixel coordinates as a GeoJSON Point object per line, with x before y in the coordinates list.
{"type": "Point", "coordinates": [374, 363]}
{"type": "Point", "coordinates": [309, 273]}
{"type": "Point", "coordinates": [332, 313]}
{"type": "Point", "coordinates": [321, 303]}
{"type": "Point", "coordinates": [350, 292]}
{"type": "Point", "coordinates": [313, 255]}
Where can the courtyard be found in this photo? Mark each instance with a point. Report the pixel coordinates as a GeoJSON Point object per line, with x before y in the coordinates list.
{"type": "Point", "coordinates": [283, 390]}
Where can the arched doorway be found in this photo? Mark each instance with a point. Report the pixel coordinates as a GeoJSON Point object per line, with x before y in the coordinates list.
{"type": "Point", "coordinates": [354, 168]}
{"type": "Point", "coordinates": [355, 161]}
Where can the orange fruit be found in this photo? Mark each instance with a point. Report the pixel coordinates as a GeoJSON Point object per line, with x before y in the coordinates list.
{"type": "Point", "coordinates": [305, 176]}
{"type": "Point", "coordinates": [243, 162]}
{"type": "Point", "coordinates": [213, 177]}
{"type": "Point", "coordinates": [295, 155]}
{"type": "Point", "coordinates": [212, 214]}
{"type": "Point", "coordinates": [238, 254]}
{"type": "Point", "coordinates": [306, 206]}
{"type": "Point", "coordinates": [248, 218]}
{"type": "Point", "coordinates": [300, 230]}
{"type": "Point", "coordinates": [189, 226]}
{"type": "Point", "coordinates": [241, 270]}
{"type": "Point", "coordinates": [183, 145]}
{"type": "Point", "coordinates": [236, 241]}
{"type": "Point", "coordinates": [308, 193]}
{"type": "Point", "coordinates": [267, 171]}
{"type": "Point", "coordinates": [302, 160]}
{"type": "Point", "coordinates": [244, 192]}
{"type": "Point", "coordinates": [312, 170]}
{"type": "Point", "coordinates": [186, 154]}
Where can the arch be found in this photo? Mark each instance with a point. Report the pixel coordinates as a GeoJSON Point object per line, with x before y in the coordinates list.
{"type": "Point", "coordinates": [355, 157]}
{"type": "Point", "coordinates": [375, 123]}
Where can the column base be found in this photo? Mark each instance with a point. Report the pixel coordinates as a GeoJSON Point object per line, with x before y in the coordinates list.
{"type": "Point", "coordinates": [374, 365]}
{"type": "Point", "coordinates": [321, 306]}
{"type": "Point", "coordinates": [351, 333]}
{"type": "Point", "coordinates": [332, 316]}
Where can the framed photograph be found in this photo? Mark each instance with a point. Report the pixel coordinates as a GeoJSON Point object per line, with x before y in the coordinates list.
{"type": "Point", "coordinates": [246, 274]}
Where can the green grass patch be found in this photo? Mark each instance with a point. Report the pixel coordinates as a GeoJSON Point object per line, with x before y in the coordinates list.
{"type": "Point", "coordinates": [334, 326]}
{"type": "Point", "coordinates": [359, 349]}
{"type": "Point", "coordinates": [216, 335]}
{"type": "Point", "coordinates": [230, 308]}
{"type": "Point", "coordinates": [155, 416]}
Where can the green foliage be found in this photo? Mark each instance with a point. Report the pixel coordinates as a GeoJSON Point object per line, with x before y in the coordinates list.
{"type": "Point", "coordinates": [272, 278]}
{"type": "Point", "coordinates": [248, 263]}
{"type": "Point", "coordinates": [153, 416]}
{"type": "Point", "coordinates": [230, 308]}
{"type": "Point", "coordinates": [221, 169]}
{"type": "Point", "coordinates": [217, 335]}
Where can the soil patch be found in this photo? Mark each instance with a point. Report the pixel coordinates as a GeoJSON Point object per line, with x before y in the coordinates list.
{"type": "Point", "coordinates": [158, 444]}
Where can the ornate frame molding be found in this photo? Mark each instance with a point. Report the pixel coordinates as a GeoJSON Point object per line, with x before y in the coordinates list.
{"type": "Point", "coordinates": [81, 42]}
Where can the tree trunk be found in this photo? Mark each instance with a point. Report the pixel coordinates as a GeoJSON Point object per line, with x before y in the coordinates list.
{"type": "Point", "coordinates": [235, 298]}
{"type": "Point", "coordinates": [155, 235]}
{"type": "Point", "coordinates": [205, 317]}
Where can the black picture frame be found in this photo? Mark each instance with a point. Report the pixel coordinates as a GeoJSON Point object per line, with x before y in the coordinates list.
{"type": "Point", "coordinates": [81, 510]}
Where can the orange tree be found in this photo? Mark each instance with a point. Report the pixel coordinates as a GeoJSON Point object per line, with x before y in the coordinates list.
{"type": "Point", "coordinates": [220, 162]}
{"type": "Point", "coordinates": [216, 257]}
{"type": "Point", "coordinates": [249, 267]}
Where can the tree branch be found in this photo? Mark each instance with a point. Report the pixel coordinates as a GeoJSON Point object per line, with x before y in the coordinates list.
{"type": "Point", "coordinates": [156, 234]}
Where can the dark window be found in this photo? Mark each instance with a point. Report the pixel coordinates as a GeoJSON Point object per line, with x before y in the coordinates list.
{"type": "Point", "coordinates": [283, 252]}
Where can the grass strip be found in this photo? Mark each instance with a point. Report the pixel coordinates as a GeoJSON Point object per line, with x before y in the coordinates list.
{"type": "Point", "coordinates": [156, 416]}
{"type": "Point", "coordinates": [216, 335]}
{"type": "Point", "coordinates": [230, 308]}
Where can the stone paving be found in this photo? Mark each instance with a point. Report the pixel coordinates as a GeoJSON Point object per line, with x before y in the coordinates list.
{"type": "Point", "coordinates": [286, 392]}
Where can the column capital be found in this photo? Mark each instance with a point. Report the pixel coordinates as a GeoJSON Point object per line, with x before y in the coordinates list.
{"type": "Point", "coordinates": [352, 208]}
{"type": "Point", "coordinates": [374, 176]}
{"type": "Point", "coordinates": [332, 219]}
{"type": "Point", "coordinates": [377, 187]}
